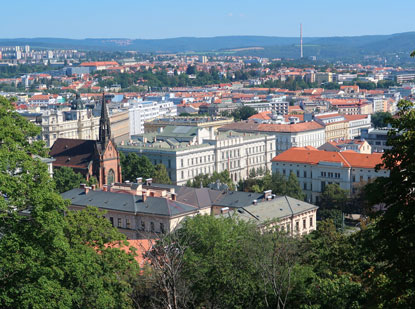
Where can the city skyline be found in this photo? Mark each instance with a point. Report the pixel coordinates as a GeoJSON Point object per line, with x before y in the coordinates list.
{"type": "Point", "coordinates": [163, 19]}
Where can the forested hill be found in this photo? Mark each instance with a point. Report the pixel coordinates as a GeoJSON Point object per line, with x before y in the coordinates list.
{"type": "Point", "coordinates": [322, 47]}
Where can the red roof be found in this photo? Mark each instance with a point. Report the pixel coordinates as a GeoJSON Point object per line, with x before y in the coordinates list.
{"type": "Point", "coordinates": [99, 63]}
{"type": "Point", "coordinates": [310, 156]}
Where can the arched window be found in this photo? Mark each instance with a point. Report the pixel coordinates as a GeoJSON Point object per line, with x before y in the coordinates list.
{"type": "Point", "coordinates": [110, 177]}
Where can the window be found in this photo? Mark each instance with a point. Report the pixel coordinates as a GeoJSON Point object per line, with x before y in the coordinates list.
{"type": "Point", "coordinates": [119, 222]}
{"type": "Point", "coordinates": [112, 221]}
{"type": "Point", "coordinates": [311, 221]}
{"type": "Point", "coordinates": [305, 174]}
{"type": "Point", "coordinates": [283, 172]}
{"type": "Point", "coordinates": [305, 186]}
{"type": "Point", "coordinates": [182, 162]}
{"type": "Point", "coordinates": [297, 226]}
{"type": "Point", "coordinates": [162, 228]}
{"type": "Point", "coordinates": [127, 223]}
{"type": "Point", "coordinates": [304, 223]}
{"type": "Point", "coordinates": [143, 226]}
{"type": "Point", "coordinates": [323, 186]}
{"type": "Point", "coordinates": [152, 226]}
{"type": "Point", "coordinates": [298, 173]}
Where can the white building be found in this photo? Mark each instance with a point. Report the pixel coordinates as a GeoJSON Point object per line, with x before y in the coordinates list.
{"type": "Point", "coordinates": [76, 124]}
{"type": "Point", "coordinates": [357, 123]}
{"type": "Point", "coordinates": [142, 111]}
{"type": "Point", "coordinates": [286, 135]}
{"type": "Point", "coordinates": [190, 151]}
{"type": "Point", "coordinates": [317, 168]}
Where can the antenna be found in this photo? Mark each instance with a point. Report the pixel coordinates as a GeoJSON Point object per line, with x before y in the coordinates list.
{"type": "Point", "coordinates": [301, 40]}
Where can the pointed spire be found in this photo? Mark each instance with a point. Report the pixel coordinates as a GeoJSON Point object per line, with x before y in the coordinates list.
{"type": "Point", "coordinates": [104, 124]}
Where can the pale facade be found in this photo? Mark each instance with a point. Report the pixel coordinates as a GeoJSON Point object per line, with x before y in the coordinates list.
{"type": "Point", "coordinates": [237, 153]}
{"type": "Point", "coordinates": [315, 169]}
{"type": "Point", "coordinates": [142, 111]}
{"type": "Point", "coordinates": [76, 124]}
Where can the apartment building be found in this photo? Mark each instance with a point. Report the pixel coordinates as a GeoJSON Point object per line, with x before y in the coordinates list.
{"type": "Point", "coordinates": [190, 151]}
{"type": "Point", "coordinates": [142, 111]}
{"type": "Point", "coordinates": [286, 135]}
{"type": "Point", "coordinates": [357, 123]}
{"type": "Point", "coordinates": [336, 126]}
{"type": "Point", "coordinates": [315, 169]}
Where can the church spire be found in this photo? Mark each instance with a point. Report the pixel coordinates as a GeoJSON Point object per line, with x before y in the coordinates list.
{"type": "Point", "coordinates": [104, 124]}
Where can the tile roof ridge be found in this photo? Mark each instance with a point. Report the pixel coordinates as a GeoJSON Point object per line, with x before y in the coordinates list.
{"type": "Point", "coordinates": [348, 163]}
{"type": "Point", "coordinates": [289, 205]}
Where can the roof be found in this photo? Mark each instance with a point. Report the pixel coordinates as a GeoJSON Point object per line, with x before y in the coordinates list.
{"type": "Point", "coordinates": [128, 203]}
{"type": "Point", "coordinates": [99, 63]}
{"type": "Point", "coordinates": [314, 157]}
{"type": "Point", "coordinates": [75, 153]}
{"type": "Point", "coordinates": [277, 208]}
{"type": "Point", "coordinates": [273, 127]}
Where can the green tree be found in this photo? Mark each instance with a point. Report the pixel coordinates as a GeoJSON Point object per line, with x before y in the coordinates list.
{"type": "Point", "coordinates": [243, 113]}
{"type": "Point", "coordinates": [394, 240]}
{"type": "Point", "coordinates": [293, 188]}
{"type": "Point", "coordinates": [379, 119]}
{"type": "Point", "coordinates": [160, 174]}
{"type": "Point", "coordinates": [134, 166]}
{"type": "Point", "coordinates": [49, 260]}
{"type": "Point", "coordinates": [66, 179]}
{"type": "Point", "coordinates": [333, 197]}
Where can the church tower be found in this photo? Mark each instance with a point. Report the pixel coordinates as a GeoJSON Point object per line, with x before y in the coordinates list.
{"type": "Point", "coordinates": [104, 125]}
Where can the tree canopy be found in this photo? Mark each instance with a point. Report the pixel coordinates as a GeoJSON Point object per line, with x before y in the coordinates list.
{"type": "Point", "coordinates": [49, 260]}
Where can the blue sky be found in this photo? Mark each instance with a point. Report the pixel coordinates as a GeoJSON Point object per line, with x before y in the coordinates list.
{"type": "Point", "coordinates": [175, 18]}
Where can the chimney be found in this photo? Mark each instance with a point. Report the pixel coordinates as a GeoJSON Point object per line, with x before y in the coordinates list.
{"type": "Point", "coordinates": [224, 210]}
{"type": "Point", "coordinates": [83, 186]}
{"type": "Point", "coordinates": [86, 189]}
{"type": "Point", "coordinates": [254, 202]}
{"type": "Point", "coordinates": [149, 181]}
{"type": "Point", "coordinates": [93, 187]}
{"type": "Point", "coordinates": [104, 188]}
{"type": "Point", "coordinates": [144, 196]}
{"type": "Point", "coordinates": [173, 196]}
{"type": "Point", "coordinates": [139, 180]}
{"type": "Point", "coordinates": [152, 194]}
{"type": "Point", "coordinates": [267, 194]}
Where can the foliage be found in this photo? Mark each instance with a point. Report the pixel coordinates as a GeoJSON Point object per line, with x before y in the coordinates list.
{"type": "Point", "coordinates": [49, 260]}
{"type": "Point", "coordinates": [66, 179]}
{"type": "Point", "coordinates": [379, 119]}
{"type": "Point", "coordinates": [160, 174]}
{"type": "Point", "coordinates": [395, 228]}
{"type": "Point", "coordinates": [204, 180]}
{"type": "Point", "coordinates": [231, 264]}
{"type": "Point", "coordinates": [134, 166]}
{"type": "Point", "coordinates": [243, 113]}
{"type": "Point", "coordinates": [275, 182]}
{"type": "Point", "coordinates": [333, 197]}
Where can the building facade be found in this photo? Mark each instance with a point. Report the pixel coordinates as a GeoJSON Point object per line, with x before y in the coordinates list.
{"type": "Point", "coordinates": [187, 153]}
{"type": "Point", "coordinates": [315, 169]}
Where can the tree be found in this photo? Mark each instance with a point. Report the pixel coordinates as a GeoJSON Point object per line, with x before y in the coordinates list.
{"type": "Point", "coordinates": [395, 227]}
{"type": "Point", "coordinates": [49, 260]}
{"type": "Point", "coordinates": [293, 188]}
{"type": "Point", "coordinates": [243, 113]}
{"type": "Point", "coordinates": [66, 179]}
{"type": "Point", "coordinates": [160, 174]}
{"type": "Point", "coordinates": [333, 197]}
{"type": "Point", "coordinates": [379, 119]}
{"type": "Point", "coordinates": [134, 166]}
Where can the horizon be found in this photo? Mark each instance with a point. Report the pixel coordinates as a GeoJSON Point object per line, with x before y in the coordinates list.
{"type": "Point", "coordinates": [204, 37]}
{"type": "Point", "coordinates": [162, 19]}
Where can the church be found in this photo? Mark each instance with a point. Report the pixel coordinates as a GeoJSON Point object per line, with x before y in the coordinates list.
{"type": "Point", "coordinates": [99, 158]}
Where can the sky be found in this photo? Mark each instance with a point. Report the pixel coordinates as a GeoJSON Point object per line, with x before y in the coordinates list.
{"type": "Point", "coordinates": [154, 19]}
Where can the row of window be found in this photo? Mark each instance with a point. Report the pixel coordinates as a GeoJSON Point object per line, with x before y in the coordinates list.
{"type": "Point", "coordinates": [127, 225]}
{"type": "Point", "coordinates": [297, 225]}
